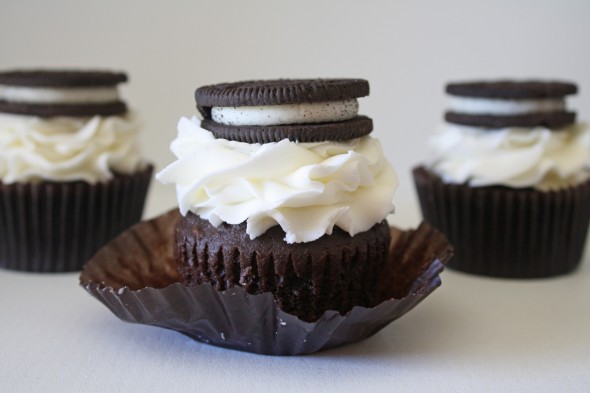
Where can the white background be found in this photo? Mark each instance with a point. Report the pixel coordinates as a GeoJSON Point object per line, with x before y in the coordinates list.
{"type": "Point", "coordinates": [407, 50]}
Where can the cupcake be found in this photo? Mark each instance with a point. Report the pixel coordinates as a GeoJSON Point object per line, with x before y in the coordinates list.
{"type": "Point", "coordinates": [509, 182]}
{"type": "Point", "coordinates": [71, 175]}
{"type": "Point", "coordinates": [283, 191]}
{"type": "Point", "coordinates": [135, 276]}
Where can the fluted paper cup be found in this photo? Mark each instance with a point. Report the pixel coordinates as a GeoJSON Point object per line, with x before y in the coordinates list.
{"type": "Point", "coordinates": [57, 227]}
{"type": "Point", "coordinates": [135, 276]}
{"type": "Point", "coordinates": [506, 232]}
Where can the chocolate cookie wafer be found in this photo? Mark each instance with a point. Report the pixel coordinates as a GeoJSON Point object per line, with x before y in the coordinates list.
{"type": "Point", "coordinates": [73, 93]}
{"type": "Point", "coordinates": [501, 104]}
{"type": "Point", "coordinates": [304, 110]}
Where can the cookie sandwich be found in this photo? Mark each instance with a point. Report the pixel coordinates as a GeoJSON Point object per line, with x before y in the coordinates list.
{"type": "Point", "coordinates": [509, 181]}
{"type": "Point", "coordinates": [71, 174]}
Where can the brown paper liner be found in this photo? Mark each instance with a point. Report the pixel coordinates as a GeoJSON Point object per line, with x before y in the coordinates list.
{"type": "Point", "coordinates": [135, 276]}
{"type": "Point", "coordinates": [57, 227]}
{"type": "Point", "coordinates": [505, 232]}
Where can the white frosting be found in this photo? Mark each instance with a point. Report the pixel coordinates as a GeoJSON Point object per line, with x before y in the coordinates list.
{"type": "Point", "coordinates": [306, 188]}
{"type": "Point", "coordinates": [488, 106]}
{"type": "Point", "coordinates": [514, 157]}
{"type": "Point", "coordinates": [267, 115]}
{"type": "Point", "coordinates": [65, 148]}
{"type": "Point", "coordinates": [54, 95]}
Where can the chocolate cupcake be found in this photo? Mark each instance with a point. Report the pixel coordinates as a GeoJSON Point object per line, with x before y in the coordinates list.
{"type": "Point", "coordinates": [509, 182]}
{"type": "Point", "coordinates": [283, 190]}
{"type": "Point", "coordinates": [71, 175]}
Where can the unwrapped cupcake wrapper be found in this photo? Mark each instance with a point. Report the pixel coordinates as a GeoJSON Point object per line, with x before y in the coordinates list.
{"type": "Point", "coordinates": [505, 232]}
{"type": "Point", "coordinates": [57, 227]}
{"type": "Point", "coordinates": [135, 276]}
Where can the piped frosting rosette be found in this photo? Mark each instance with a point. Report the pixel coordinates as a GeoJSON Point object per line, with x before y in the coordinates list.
{"type": "Point", "coordinates": [67, 149]}
{"type": "Point", "coordinates": [516, 157]}
{"type": "Point", "coordinates": [306, 188]}
{"type": "Point", "coordinates": [506, 137]}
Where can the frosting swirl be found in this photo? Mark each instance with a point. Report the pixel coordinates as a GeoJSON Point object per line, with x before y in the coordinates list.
{"type": "Point", "coordinates": [67, 149]}
{"type": "Point", "coordinates": [513, 157]}
{"type": "Point", "coordinates": [306, 188]}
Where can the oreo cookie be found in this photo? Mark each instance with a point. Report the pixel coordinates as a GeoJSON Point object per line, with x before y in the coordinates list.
{"type": "Point", "coordinates": [501, 104]}
{"type": "Point", "coordinates": [48, 93]}
{"type": "Point", "coordinates": [302, 110]}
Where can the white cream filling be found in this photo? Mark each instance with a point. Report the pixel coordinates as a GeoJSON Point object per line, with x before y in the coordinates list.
{"type": "Point", "coordinates": [267, 115]}
{"type": "Point", "coordinates": [486, 106]}
{"type": "Point", "coordinates": [62, 95]}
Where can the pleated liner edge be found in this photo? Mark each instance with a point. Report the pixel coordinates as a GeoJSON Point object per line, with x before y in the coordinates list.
{"type": "Point", "coordinates": [135, 276]}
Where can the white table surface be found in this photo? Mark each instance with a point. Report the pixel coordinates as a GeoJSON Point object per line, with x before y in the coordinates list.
{"type": "Point", "coordinates": [472, 334]}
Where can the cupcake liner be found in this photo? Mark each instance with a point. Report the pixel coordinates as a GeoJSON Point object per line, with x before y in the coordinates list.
{"type": "Point", "coordinates": [135, 276]}
{"type": "Point", "coordinates": [57, 227]}
{"type": "Point", "coordinates": [505, 232]}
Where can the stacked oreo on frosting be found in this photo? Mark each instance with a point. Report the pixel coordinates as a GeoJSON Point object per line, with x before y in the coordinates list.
{"type": "Point", "coordinates": [71, 176]}
{"type": "Point", "coordinates": [298, 110]}
{"type": "Point", "coordinates": [509, 182]}
{"type": "Point", "coordinates": [283, 190]}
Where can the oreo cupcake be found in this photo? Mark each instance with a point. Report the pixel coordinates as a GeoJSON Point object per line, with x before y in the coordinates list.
{"type": "Point", "coordinates": [71, 175]}
{"type": "Point", "coordinates": [283, 190]}
{"type": "Point", "coordinates": [509, 182]}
